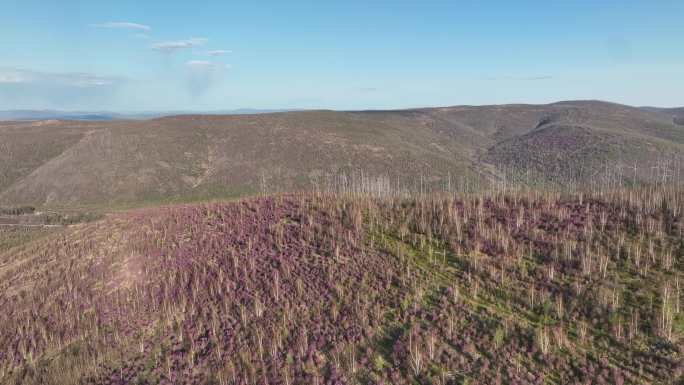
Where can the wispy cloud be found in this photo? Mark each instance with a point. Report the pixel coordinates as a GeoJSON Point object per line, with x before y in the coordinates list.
{"type": "Point", "coordinates": [205, 66]}
{"type": "Point", "coordinates": [75, 79]}
{"type": "Point", "coordinates": [52, 89]}
{"type": "Point", "coordinates": [199, 64]}
{"type": "Point", "coordinates": [547, 77]}
{"type": "Point", "coordinates": [521, 78]}
{"type": "Point", "coordinates": [175, 45]}
{"type": "Point", "coordinates": [122, 25]}
{"type": "Point", "coordinates": [216, 52]}
{"type": "Point", "coordinates": [11, 77]}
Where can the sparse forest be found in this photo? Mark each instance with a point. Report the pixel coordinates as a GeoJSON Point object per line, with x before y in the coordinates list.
{"type": "Point", "coordinates": [357, 283]}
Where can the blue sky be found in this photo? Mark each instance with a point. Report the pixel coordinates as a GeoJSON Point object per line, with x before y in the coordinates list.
{"type": "Point", "coordinates": [170, 55]}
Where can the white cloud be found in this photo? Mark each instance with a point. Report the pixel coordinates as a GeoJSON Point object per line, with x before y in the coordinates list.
{"type": "Point", "coordinates": [367, 89]}
{"type": "Point", "coordinates": [521, 78]}
{"type": "Point", "coordinates": [206, 65]}
{"type": "Point", "coordinates": [123, 25]}
{"type": "Point", "coordinates": [175, 45]}
{"type": "Point", "coordinates": [11, 77]}
{"type": "Point", "coordinates": [75, 79]}
{"type": "Point", "coordinates": [36, 89]}
{"type": "Point", "coordinates": [199, 64]}
{"type": "Point", "coordinates": [216, 52]}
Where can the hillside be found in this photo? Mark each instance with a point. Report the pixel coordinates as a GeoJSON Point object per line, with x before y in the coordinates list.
{"type": "Point", "coordinates": [676, 113]}
{"type": "Point", "coordinates": [535, 288]}
{"type": "Point", "coordinates": [181, 158]}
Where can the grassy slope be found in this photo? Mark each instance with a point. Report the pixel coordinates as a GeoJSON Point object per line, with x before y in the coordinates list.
{"type": "Point", "coordinates": [210, 156]}
{"type": "Point", "coordinates": [200, 157]}
{"type": "Point", "coordinates": [25, 147]}
{"type": "Point", "coordinates": [579, 138]}
{"type": "Point", "coordinates": [526, 289]}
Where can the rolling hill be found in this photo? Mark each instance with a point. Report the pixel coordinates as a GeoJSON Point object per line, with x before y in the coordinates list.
{"type": "Point", "coordinates": [187, 157]}
{"type": "Point", "coordinates": [538, 288]}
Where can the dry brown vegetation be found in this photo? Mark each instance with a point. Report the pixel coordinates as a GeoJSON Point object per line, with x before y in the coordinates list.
{"type": "Point", "coordinates": [526, 287]}
{"type": "Point", "coordinates": [185, 158]}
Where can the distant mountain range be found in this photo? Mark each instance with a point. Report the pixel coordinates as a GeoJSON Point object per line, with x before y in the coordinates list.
{"type": "Point", "coordinates": [33, 115]}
